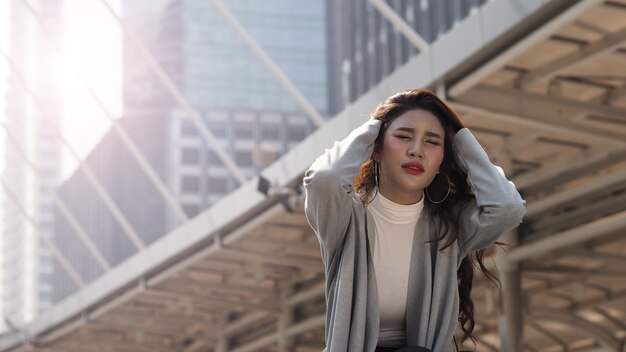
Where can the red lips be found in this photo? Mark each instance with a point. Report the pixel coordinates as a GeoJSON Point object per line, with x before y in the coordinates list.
{"type": "Point", "coordinates": [413, 168]}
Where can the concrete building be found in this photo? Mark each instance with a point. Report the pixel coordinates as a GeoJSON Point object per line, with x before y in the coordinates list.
{"type": "Point", "coordinates": [27, 266]}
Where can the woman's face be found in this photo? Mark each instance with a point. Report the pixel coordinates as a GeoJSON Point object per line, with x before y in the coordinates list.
{"type": "Point", "coordinates": [411, 154]}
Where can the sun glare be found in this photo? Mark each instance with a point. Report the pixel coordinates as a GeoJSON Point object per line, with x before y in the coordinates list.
{"type": "Point", "coordinates": [92, 43]}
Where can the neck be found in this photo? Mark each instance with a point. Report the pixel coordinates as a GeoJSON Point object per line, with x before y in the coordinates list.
{"type": "Point", "coordinates": [394, 213]}
{"type": "Point", "coordinates": [404, 198]}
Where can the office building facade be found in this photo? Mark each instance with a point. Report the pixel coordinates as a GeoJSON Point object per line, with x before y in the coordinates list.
{"type": "Point", "coordinates": [27, 205]}
{"type": "Point", "coordinates": [364, 47]}
{"type": "Point", "coordinates": [240, 102]}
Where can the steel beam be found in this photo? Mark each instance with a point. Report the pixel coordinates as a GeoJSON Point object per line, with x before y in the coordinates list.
{"type": "Point", "coordinates": [599, 333]}
{"type": "Point", "coordinates": [291, 261]}
{"type": "Point", "coordinates": [400, 24]}
{"type": "Point", "coordinates": [610, 317]}
{"type": "Point", "coordinates": [550, 335]}
{"type": "Point", "coordinates": [561, 64]}
{"type": "Point", "coordinates": [562, 171]}
{"type": "Point", "coordinates": [549, 111]}
{"type": "Point", "coordinates": [63, 209]}
{"type": "Point", "coordinates": [218, 243]}
{"type": "Point", "coordinates": [221, 343]}
{"type": "Point", "coordinates": [285, 320]}
{"type": "Point", "coordinates": [178, 96]}
{"type": "Point", "coordinates": [595, 185]}
{"type": "Point", "coordinates": [73, 274]}
{"type": "Point", "coordinates": [538, 125]}
{"type": "Point", "coordinates": [616, 95]}
{"type": "Point", "coordinates": [104, 196]}
{"type": "Point", "coordinates": [294, 330]}
{"type": "Point", "coordinates": [178, 293]}
{"type": "Point", "coordinates": [524, 45]}
{"type": "Point", "coordinates": [570, 237]}
{"type": "Point", "coordinates": [511, 318]}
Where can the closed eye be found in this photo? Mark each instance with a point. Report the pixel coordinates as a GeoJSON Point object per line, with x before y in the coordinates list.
{"type": "Point", "coordinates": [404, 137]}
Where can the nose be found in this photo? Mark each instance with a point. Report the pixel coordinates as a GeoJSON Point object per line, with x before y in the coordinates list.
{"type": "Point", "coordinates": [415, 149]}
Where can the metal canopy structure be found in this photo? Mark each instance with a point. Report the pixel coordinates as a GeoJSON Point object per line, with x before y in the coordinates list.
{"type": "Point", "coordinates": [542, 86]}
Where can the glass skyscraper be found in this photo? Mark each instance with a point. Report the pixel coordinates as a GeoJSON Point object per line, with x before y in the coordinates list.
{"type": "Point", "coordinates": [212, 65]}
{"type": "Point", "coordinates": [364, 47]}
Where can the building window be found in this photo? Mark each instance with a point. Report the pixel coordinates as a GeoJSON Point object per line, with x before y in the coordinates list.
{"type": "Point", "coordinates": [218, 128]}
{"type": "Point", "coordinates": [216, 185]}
{"type": "Point", "coordinates": [46, 279]}
{"type": "Point", "coordinates": [212, 158]}
{"type": "Point", "coordinates": [243, 157]}
{"type": "Point", "coordinates": [270, 132]}
{"type": "Point", "coordinates": [190, 156]}
{"type": "Point", "coordinates": [244, 130]}
{"type": "Point", "coordinates": [188, 129]}
{"type": "Point", "coordinates": [190, 184]}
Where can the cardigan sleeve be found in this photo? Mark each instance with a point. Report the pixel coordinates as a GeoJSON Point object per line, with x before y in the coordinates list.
{"type": "Point", "coordinates": [328, 185]}
{"type": "Point", "coordinates": [497, 206]}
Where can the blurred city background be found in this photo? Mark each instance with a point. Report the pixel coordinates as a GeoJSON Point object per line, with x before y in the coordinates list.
{"type": "Point", "coordinates": [152, 153]}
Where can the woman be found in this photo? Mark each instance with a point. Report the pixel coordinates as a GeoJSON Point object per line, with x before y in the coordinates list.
{"type": "Point", "coordinates": [403, 208]}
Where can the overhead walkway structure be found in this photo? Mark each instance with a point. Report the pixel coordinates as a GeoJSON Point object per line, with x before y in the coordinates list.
{"type": "Point", "coordinates": [542, 84]}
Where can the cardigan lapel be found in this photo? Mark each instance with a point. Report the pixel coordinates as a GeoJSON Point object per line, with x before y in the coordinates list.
{"type": "Point", "coordinates": [419, 295]}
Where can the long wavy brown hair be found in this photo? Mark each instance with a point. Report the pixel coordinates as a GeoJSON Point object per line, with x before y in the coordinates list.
{"type": "Point", "coordinates": [447, 212]}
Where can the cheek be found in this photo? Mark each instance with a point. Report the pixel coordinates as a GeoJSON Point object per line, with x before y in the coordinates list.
{"type": "Point", "coordinates": [436, 158]}
{"type": "Point", "coordinates": [391, 149]}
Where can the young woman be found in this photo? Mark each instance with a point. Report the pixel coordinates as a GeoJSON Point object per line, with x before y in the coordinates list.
{"type": "Point", "coordinates": [403, 208]}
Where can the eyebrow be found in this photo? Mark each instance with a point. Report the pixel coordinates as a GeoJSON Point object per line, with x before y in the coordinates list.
{"type": "Point", "coordinates": [412, 130]}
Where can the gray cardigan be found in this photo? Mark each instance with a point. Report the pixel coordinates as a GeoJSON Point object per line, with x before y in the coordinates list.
{"type": "Point", "coordinates": [338, 218]}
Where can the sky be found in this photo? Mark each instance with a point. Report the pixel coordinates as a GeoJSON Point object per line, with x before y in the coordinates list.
{"type": "Point", "coordinates": [91, 43]}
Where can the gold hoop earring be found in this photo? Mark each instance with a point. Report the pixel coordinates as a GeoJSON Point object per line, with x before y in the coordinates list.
{"type": "Point", "coordinates": [447, 193]}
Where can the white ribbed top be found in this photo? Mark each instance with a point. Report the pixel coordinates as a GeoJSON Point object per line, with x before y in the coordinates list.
{"type": "Point", "coordinates": [393, 238]}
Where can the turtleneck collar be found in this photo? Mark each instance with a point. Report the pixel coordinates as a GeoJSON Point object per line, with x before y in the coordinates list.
{"type": "Point", "coordinates": [395, 213]}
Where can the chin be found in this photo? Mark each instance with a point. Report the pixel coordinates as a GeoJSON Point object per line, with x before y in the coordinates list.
{"type": "Point", "coordinates": [414, 189]}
